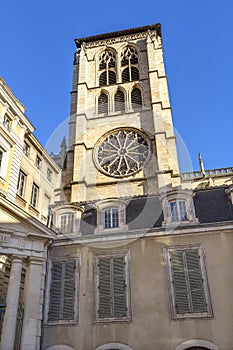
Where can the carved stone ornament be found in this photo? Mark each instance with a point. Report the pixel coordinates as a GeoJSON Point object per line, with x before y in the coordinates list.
{"type": "Point", "coordinates": [122, 152]}
{"type": "Point", "coordinates": [117, 40]}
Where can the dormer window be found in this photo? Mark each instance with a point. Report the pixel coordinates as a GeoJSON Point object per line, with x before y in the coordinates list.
{"type": "Point", "coordinates": [111, 218]}
{"type": "Point", "coordinates": [178, 207]}
{"type": "Point", "coordinates": [178, 210]}
{"type": "Point", "coordinates": [66, 223]}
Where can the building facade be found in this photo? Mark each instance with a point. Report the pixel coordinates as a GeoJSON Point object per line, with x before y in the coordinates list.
{"type": "Point", "coordinates": [143, 255]}
{"type": "Point", "coordinates": [138, 256]}
{"type": "Point", "coordinates": [28, 179]}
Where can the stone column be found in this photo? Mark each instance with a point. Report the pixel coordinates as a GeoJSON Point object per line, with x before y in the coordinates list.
{"type": "Point", "coordinates": [10, 317]}
{"type": "Point", "coordinates": [33, 295]}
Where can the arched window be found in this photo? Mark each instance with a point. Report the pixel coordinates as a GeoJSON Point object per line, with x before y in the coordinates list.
{"type": "Point", "coordinates": [136, 98]}
{"type": "Point", "coordinates": [129, 60]}
{"type": "Point", "coordinates": [119, 101]}
{"type": "Point", "coordinates": [103, 103]}
{"type": "Point", "coordinates": [107, 68]}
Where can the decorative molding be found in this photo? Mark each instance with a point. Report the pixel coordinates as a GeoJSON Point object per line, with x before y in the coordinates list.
{"type": "Point", "coordinates": [116, 346]}
{"type": "Point", "coordinates": [196, 342]}
{"type": "Point", "coordinates": [120, 39]}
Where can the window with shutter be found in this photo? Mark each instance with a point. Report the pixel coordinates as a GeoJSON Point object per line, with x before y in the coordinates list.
{"type": "Point", "coordinates": [112, 288]}
{"type": "Point", "coordinates": [188, 283]}
{"type": "Point", "coordinates": [62, 290]}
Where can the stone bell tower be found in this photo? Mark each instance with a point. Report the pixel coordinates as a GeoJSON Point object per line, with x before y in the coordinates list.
{"type": "Point", "coordinates": [121, 138]}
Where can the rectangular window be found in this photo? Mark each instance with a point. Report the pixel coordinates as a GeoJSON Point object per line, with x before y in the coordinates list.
{"type": "Point", "coordinates": [7, 122]}
{"type": "Point", "coordinates": [63, 290]}
{"type": "Point", "coordinates": [21, 183]}
{"type": "Point", "coordinates": [188, 283]}
{"type": "Point", "coordinates": [38, 162]}
{"type": "Point", "coordinates": [26, 149]}
{"type": "Point", "coordinates": [111, 218]}
{"type": "Point", "coordinates": [34, 195]}
{"type": "Point", "coordinates": [1, 157]}
{"type": "Point", "coordinates": [49, 174]}
{"type": "Point", "coordinates": [178, 211]}
{"type": "Point", "coordinates": [67, 223]}
{"type": "Point", "coordinates": [112, 288]}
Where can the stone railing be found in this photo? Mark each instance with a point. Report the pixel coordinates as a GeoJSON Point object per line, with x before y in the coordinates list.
{"type": "Point", "coordinates": [212, 173]}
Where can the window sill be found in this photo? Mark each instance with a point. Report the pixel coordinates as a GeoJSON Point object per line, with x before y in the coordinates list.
{"type": "Point", "coordinates": [120, 229]}
{"type": "Point", "coordinates": [126, 319]}
{"type": "Point", "coordinates": [205, 315]}
{"type": "Point", "coordinates": [21, 200]}
{"type": "Point", "coordinates": [33, 209]}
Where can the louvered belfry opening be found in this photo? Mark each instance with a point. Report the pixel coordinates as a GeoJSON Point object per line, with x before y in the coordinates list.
{"type": "Point", "coordinates": [119, 101]}
{"type": "Point", "coordinates": [62, 292]}
{"type": "Point", "coordinates": [112, 287]}
{"type": "Point", "coordinates": [136, 98]}
{"type": "Point", "coordinates": [107, 68]}
{"type": "Point", "coordinates": [103, 103]}
{"type": "Point", "coordinates": [187, 282]}
{"type": "Point", "coordinates": [129, 60]}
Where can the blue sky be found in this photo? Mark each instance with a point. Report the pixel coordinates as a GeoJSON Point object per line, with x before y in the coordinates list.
{"type": "Point", "coordinates": [37, 47]}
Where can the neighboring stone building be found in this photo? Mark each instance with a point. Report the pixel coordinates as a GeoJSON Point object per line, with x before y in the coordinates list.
{"type": "Point", "coordinates": [28, 179]}
{"type": "Point", "coordinates": [143, 256]}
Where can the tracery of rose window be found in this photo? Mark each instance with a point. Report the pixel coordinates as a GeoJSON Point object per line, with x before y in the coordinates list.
{"type": "Point", "coordinates": [122, 152]}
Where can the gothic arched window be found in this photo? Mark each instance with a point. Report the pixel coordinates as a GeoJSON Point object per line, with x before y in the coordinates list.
{"type": "Point", "coordinates": [103, 103]}
{"type": "Point", "coordinates": [129, 60]}
{"type": "Point", "coordinates": [136, 98]}
{"type": "Point", "coordinates": [107, 68]}
{"type": "Point", "coordinates": [119, 101]}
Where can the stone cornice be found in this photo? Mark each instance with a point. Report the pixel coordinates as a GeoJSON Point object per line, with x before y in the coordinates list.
{"type": "Point", "coordinates": [118, 36]}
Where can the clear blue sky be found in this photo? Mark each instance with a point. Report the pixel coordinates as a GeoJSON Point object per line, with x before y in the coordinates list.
{"type": "Point", "coordinates": [37, 47]}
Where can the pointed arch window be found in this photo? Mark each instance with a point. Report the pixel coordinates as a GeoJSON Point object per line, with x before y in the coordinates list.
{"type": "Point", "coordinates": [129, 60]}
{"type": "Point", "coordinates": [136, 98]}
{"type": "Point", "coordinates": [119, 101]}
{"type": "Point", "coordinates": [107, 68]}
{"type": "Point", "coordinates": [103, 103]}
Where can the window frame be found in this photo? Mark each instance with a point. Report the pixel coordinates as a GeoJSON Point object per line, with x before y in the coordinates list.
{"type": "Point", "coordinates": [38, 162]}
{"type": "Point", "coordinates": [125, 254]}
{"type": "Point", "coordinates": [26, 149]}
{"type": "Point", "coordinates": [67, 224]}
{"type": "Point", "coordinates": [178, 196]}
{"type": "Point", "coordinates": [75, 319]}
{"type": "Point", "coordinates": [49, 174]}
{"type": "Point", "coordinates": [111, 204]}
{"type": "Point", "coordinates": [22, 179]}
{"type": "Point", "coordinates": [202, 261]}
{"type": "Point", "coordinates": [34, 201]}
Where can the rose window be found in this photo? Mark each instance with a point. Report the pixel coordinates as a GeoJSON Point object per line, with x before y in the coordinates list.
{"type": "Point", "coordinates": [122, 152]}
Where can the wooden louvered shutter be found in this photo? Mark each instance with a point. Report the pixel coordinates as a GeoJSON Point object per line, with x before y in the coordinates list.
{"type": "Point", "coordinates": [187, 282]}
{"type": "Point", "coordinates": [105, 307]}
{"type": "Point", "coordinates": [112, 287]}
{"type": "Point", "coordinates": [119, 292]}
{"type": "Point", "coordinates": [55, 292]}
{"type": "Point", "coordinates": [111, 77]}
{"type": "Point", "coordinates": [103, 79]}
{"type": "Point", "coordinates": [62, 291]}
{"type": "Point", "coordinates": [134, 73]}
{"type": "Point", "coordinates": [125, 75]}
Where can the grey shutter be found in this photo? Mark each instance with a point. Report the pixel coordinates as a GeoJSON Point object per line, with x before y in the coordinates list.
{"type": "Point", "coordinates": [119, 293]}
{"type": "Point", "coordinates": [105, 308]}
{"type": "Point", "coordinates": [187, 282]}
{"type": "Point", "coordinates": [112, 287]}
{"type": "Point", "coordinates": [69, 290]}
{"type": "Point", "coordinates": [182, 305]}
{"type": "Point", "coordinates": [55, 291]}
{"type": "Point", "coordinates": [62, 291]}
{"type": "Point", "coordinates": [196, 281]}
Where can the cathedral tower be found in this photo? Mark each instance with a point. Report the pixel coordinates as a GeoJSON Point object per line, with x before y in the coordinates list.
{"type": "Point", "coordinates": [121, 138]}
